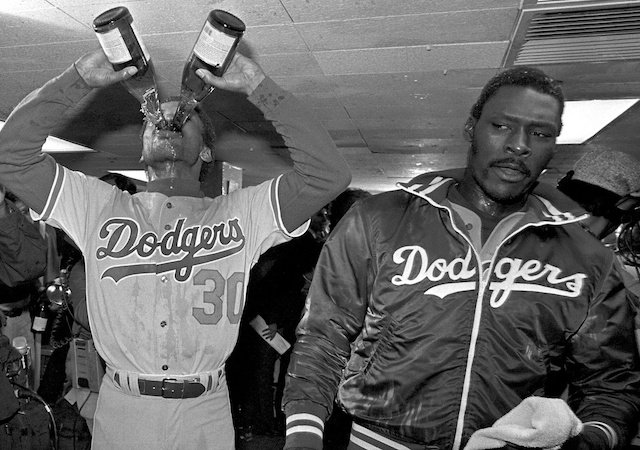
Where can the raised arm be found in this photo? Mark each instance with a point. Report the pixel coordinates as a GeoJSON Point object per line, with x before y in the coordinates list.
{"type": "Point", "coordinates": [24, 169]}
{"type": "Point", "coordinates": [319, 173]}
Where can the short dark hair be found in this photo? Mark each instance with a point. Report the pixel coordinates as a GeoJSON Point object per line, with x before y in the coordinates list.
{"type": "Point", "coordinates": [519, 76]}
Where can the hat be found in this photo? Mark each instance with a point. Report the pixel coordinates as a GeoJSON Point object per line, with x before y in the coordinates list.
{"type": "Point", "coordinates": [615, 171]}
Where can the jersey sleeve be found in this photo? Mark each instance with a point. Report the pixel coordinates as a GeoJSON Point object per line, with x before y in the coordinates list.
{"type": "Point", "coordinates": [24, 169]}
{"type": "Point", "coordinates": [260, 216]}
{"type": "Point", "coordinates": [319, 172]}
{"type": "Point", "coordinates": [75, 201]}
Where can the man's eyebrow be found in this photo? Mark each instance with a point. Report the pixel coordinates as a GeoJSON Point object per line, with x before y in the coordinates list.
{"type": "Point", "coordinates": [512, 117]}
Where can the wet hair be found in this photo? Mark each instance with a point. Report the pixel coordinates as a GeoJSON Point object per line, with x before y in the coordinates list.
{"type": "Point", "coordinates": [522, 76]}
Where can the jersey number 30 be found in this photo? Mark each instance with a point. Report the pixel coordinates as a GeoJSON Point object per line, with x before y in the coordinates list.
{"type": "Point", "coordinates": [231, 289]}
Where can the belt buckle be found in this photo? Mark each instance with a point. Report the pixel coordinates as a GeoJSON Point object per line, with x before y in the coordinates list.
{"type": "Point", "coordinates": [170, 392]}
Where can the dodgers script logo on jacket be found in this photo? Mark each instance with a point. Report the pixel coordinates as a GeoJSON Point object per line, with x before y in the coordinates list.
{"type": "Point", "coordinates": [123, 238]}
{"type": "Point", "coordinates": [457, 275]}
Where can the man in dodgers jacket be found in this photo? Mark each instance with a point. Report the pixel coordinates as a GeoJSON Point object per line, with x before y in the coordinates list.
{"type": "Point", "coordinates": [438, 308]}
{"type": "Point", "coordinates": [167, 269]}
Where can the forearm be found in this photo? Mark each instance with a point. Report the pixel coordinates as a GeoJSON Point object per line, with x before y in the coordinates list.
{"type": "Point", "coordinates": [320, 173]}
{"type": "Point", "coordinates": [24, 169]}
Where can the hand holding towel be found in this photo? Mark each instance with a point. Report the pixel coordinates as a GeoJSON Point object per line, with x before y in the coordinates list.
{"type": "Point", "coordinates": [537, 422]}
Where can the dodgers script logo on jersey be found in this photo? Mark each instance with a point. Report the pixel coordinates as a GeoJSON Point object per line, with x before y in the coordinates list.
{"type": "Point", "coordinates": [515, 275]}
{"type": "Point", "coordinates": [123, 238]}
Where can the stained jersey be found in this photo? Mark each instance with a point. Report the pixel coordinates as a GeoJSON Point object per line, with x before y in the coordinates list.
{"type": "Point", "coordinates": [173, 270]}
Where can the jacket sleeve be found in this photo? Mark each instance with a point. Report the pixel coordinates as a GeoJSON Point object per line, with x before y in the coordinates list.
{"type": "Point", "coordinates": [333, 317]}
{"type": "Point", "coordinates": [23, 251]}
{"type": "Point", "coordinates": [603, 365]}
{"type": "Point", "coordinates": [319, 172]}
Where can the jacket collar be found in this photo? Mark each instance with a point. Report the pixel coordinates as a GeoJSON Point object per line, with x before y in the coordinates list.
{"type": "Point", "coordinates": [552, 207]}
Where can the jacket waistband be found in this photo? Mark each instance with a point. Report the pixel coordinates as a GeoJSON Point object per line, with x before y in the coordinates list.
{"type": "Point", "coordinates": [366, 439]}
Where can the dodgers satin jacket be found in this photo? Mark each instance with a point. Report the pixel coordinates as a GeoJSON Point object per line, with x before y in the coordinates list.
{"type": "Point", "coordinates": [422, 340]}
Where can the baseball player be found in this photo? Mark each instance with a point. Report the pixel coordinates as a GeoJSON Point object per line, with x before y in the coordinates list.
{"type": "Point", "coordinates": [167, 268]}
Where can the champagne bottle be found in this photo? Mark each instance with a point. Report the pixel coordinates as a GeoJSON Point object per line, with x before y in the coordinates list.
{"type": "Point", "coordinates": [213, 50]}
{"type": "Point", "coordinates": [41, 319]}
{"type": "Point", "coordinates": [121, 42]}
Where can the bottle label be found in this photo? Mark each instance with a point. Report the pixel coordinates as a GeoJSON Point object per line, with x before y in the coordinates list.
{"type": "Point", "coordinates": [213, 46]}
{"type": "Point", "coordinates": [115, 46]}
{"type": "Point", "coordinates": [39, 324]}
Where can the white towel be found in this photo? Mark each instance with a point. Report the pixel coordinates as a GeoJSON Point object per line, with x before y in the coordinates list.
{"type": "Point", "coordinates": [537, 422]}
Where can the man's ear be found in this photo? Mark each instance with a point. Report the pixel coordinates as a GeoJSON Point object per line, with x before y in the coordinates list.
{"type": "Point", "coordinates": [469, 125]}
{"type": "Point", "coordinates": [206, 154]}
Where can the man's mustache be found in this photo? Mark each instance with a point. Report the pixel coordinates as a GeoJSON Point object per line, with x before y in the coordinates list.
{"type": "Point", "coordinates": [512, 163]}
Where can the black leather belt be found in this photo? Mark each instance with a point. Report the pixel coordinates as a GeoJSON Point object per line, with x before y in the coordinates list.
{"type": "Point", "coordinates": [169, 388]}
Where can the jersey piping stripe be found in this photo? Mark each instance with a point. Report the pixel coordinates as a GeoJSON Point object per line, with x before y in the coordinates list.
{"type": "Point", "coordinates": [53, 194]}
{"type": "Point", "coordinates": [275, 202]}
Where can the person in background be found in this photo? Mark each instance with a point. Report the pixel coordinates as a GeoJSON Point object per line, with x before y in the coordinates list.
{"type": "Point", "coordinates": [22, 248]}
{"type": "Point", "coordinates": [167, 268]}
{"type": "Point", "coordinates": [606, 183]}
{"type": "Point", "coordinates": [23, 256]}
{"type": "Point", "coordinates": [453, 312]}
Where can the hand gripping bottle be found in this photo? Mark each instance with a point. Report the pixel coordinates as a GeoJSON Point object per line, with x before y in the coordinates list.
{"type": "Point", "coordinates": [213, 50]}
{"type": "Point", "coordinates": [121, 43]}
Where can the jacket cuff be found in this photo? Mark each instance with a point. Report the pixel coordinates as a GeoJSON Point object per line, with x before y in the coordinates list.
{"type": "Point", "coordinates": [594, 436]}
{"type": "Point", "coordinates": [305, 426]}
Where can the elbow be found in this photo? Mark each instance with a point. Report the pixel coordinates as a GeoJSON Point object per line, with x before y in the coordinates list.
{"type": "Point", "coordinates": [342, 177]}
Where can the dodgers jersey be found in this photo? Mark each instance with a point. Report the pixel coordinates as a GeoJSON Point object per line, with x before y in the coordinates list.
{"type": "Point", "coordinates": [172, 271]}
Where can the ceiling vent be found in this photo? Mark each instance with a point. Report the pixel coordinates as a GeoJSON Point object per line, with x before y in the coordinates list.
{"type": "Point", "coordinates": [570, 31]}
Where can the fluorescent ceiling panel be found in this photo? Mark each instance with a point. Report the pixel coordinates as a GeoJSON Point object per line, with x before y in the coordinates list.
{"type": "Point", "coordinates": [57, 145]}
{"type": "Point", "coordinates": [582, 120]}
{"type": "Point", "coordinates": [139, 175]}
